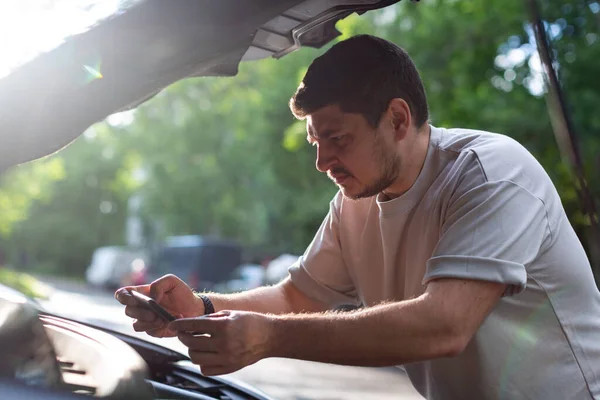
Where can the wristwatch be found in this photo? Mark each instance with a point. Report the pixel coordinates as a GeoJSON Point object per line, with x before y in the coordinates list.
{"type": "Point", "coordinates": [208, 305]}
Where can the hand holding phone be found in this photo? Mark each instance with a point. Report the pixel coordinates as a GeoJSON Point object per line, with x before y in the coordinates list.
{"type": "Point", "coordinates": [151, 304]}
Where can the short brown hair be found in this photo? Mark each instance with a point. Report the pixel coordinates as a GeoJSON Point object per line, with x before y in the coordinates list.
{"type": "Point", "coordinates": [362, 75]}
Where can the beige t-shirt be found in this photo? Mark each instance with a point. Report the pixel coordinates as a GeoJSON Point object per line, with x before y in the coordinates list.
{"type": "Point", "coordinates": [482, 208]}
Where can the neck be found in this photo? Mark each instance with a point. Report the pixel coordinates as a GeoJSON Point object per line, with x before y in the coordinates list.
{"type": "Point", "coordinates": [412, 163]}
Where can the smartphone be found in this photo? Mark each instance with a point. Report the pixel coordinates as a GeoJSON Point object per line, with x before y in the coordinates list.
{"type": "Point", "coordinates": [152, 305]}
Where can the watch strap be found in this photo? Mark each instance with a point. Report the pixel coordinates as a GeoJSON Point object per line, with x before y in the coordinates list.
{"type": "Point", "coordinates": [209, 308]}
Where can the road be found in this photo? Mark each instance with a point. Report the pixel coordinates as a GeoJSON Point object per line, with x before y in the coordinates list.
{"type": "Point", "coordinates": [280, 378]}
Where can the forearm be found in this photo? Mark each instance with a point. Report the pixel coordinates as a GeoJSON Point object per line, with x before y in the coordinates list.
{"type": "Point", "coordinates": [282, 298]}
{"type": "Point", "coordinates": [385, 335]}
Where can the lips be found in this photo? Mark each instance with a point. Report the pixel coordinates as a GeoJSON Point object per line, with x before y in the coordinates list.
{"type": "Point", "coordinates": [339, 178]}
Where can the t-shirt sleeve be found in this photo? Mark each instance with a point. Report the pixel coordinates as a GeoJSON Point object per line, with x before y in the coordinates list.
{"type": "Point", "coordinates": [491, 232]}
{"type": "Point", "coordinates": [320, 272]}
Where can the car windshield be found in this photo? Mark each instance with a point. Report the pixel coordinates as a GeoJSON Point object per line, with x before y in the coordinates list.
{"type": "Point", "coordinates": [31, 27]}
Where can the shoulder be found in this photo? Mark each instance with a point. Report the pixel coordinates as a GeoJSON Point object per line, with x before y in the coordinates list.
{"type": "Point", "coordinates": [498, 157]}
{"type": "Point", "coordinates": [486, 164]}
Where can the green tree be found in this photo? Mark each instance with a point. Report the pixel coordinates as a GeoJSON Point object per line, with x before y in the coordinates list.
{"type": "Point", "coordinates": [82, 210]}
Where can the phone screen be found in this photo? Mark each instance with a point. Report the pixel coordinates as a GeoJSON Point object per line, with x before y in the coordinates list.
{"type": "Point", "coordinates": [152, 305]}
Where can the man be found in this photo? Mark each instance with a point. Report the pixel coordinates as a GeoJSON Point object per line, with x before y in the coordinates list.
{"type": "Point", "coordinates": [454, 241]}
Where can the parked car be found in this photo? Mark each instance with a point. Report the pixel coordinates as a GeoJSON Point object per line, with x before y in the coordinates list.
{"type": "Point", "coordinates": [112, 266]}
{"type": "Point", "coordinates": [244, 277]}
{"type": "Point", "coordinates": [277, 269]}
{"type": "Point", "coordinates": [200, 261]}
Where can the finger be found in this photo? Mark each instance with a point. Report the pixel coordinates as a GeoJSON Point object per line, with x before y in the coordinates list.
{"type": "Point", "coordinates": [142, 326]}
{"type": "Point", "coordinates": [200, 325]}
{"type": "Point", "coordinates": [210, 360]}
{"type": "Point", "coordinates": [124, 297]}
{"type": "Point", "coordinates": [140, 313]}
{"type": "Point", "coordinates": [219, 370]}
{"type": "Point", "coordinates": [198, 343]}
{"type": "Point", "coordinates": [163, 285]}
{"type": "Point", "coordinates": [158, 332]}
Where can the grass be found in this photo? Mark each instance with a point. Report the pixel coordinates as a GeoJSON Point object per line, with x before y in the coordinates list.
{"type": "Point", "coordinates": [24, 283]}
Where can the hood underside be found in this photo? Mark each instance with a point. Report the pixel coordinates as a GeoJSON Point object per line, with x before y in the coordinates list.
{"type": "Point", "coordinates": [51, 100]}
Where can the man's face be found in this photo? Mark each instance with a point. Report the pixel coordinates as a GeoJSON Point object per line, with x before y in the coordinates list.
{"type": "Point", "coordinates": [360, 159]}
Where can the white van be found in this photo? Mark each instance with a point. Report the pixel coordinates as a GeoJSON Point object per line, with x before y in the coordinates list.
{"type": "Point", "coordinates": [111, 265]}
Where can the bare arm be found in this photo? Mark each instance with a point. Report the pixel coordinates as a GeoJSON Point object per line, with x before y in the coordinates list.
{"type": "Point", "coordinates": [439, 323]}
{"type": "Point", "coordinates": [177, 297]}
{"type": "Point", "coordinates": [282, 298]}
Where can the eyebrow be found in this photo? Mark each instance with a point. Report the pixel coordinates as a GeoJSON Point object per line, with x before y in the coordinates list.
{"type": "Point", "coordinates": [310, 134]}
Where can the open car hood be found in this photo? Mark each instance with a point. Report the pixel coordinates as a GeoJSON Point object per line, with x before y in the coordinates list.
{"type": "Point", "coordinates": [148, 45]}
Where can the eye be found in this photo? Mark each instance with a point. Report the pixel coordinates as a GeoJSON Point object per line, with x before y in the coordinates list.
{"type": "Point", "coordinates": [338, 139]}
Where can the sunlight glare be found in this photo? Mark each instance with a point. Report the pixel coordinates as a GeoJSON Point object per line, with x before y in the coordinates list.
{"type": "Point", "coordinates": [31, 27]}
{"type": "Point", "coordinates": [94, 72]}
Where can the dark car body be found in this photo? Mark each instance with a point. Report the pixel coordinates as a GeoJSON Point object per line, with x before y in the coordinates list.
{"type": "Point", "coordinates": [200, 261]}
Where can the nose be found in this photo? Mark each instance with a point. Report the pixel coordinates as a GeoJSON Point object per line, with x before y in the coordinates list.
{"type": "Point", "coordinates": [325, 158]}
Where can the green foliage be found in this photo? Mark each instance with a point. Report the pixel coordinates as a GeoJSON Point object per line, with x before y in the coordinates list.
{"type": "Point", "coordinates": [81, 204]}
{"type": "Point", "coordinates": [23, 186]}
{"type": "Point", "coordinates": [24, 283]}
{"type": "Point", "coordinates": [225, 157]}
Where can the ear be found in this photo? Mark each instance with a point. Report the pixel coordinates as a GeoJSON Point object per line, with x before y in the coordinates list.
{"type": "Point", "coordinates": [399, 115]}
